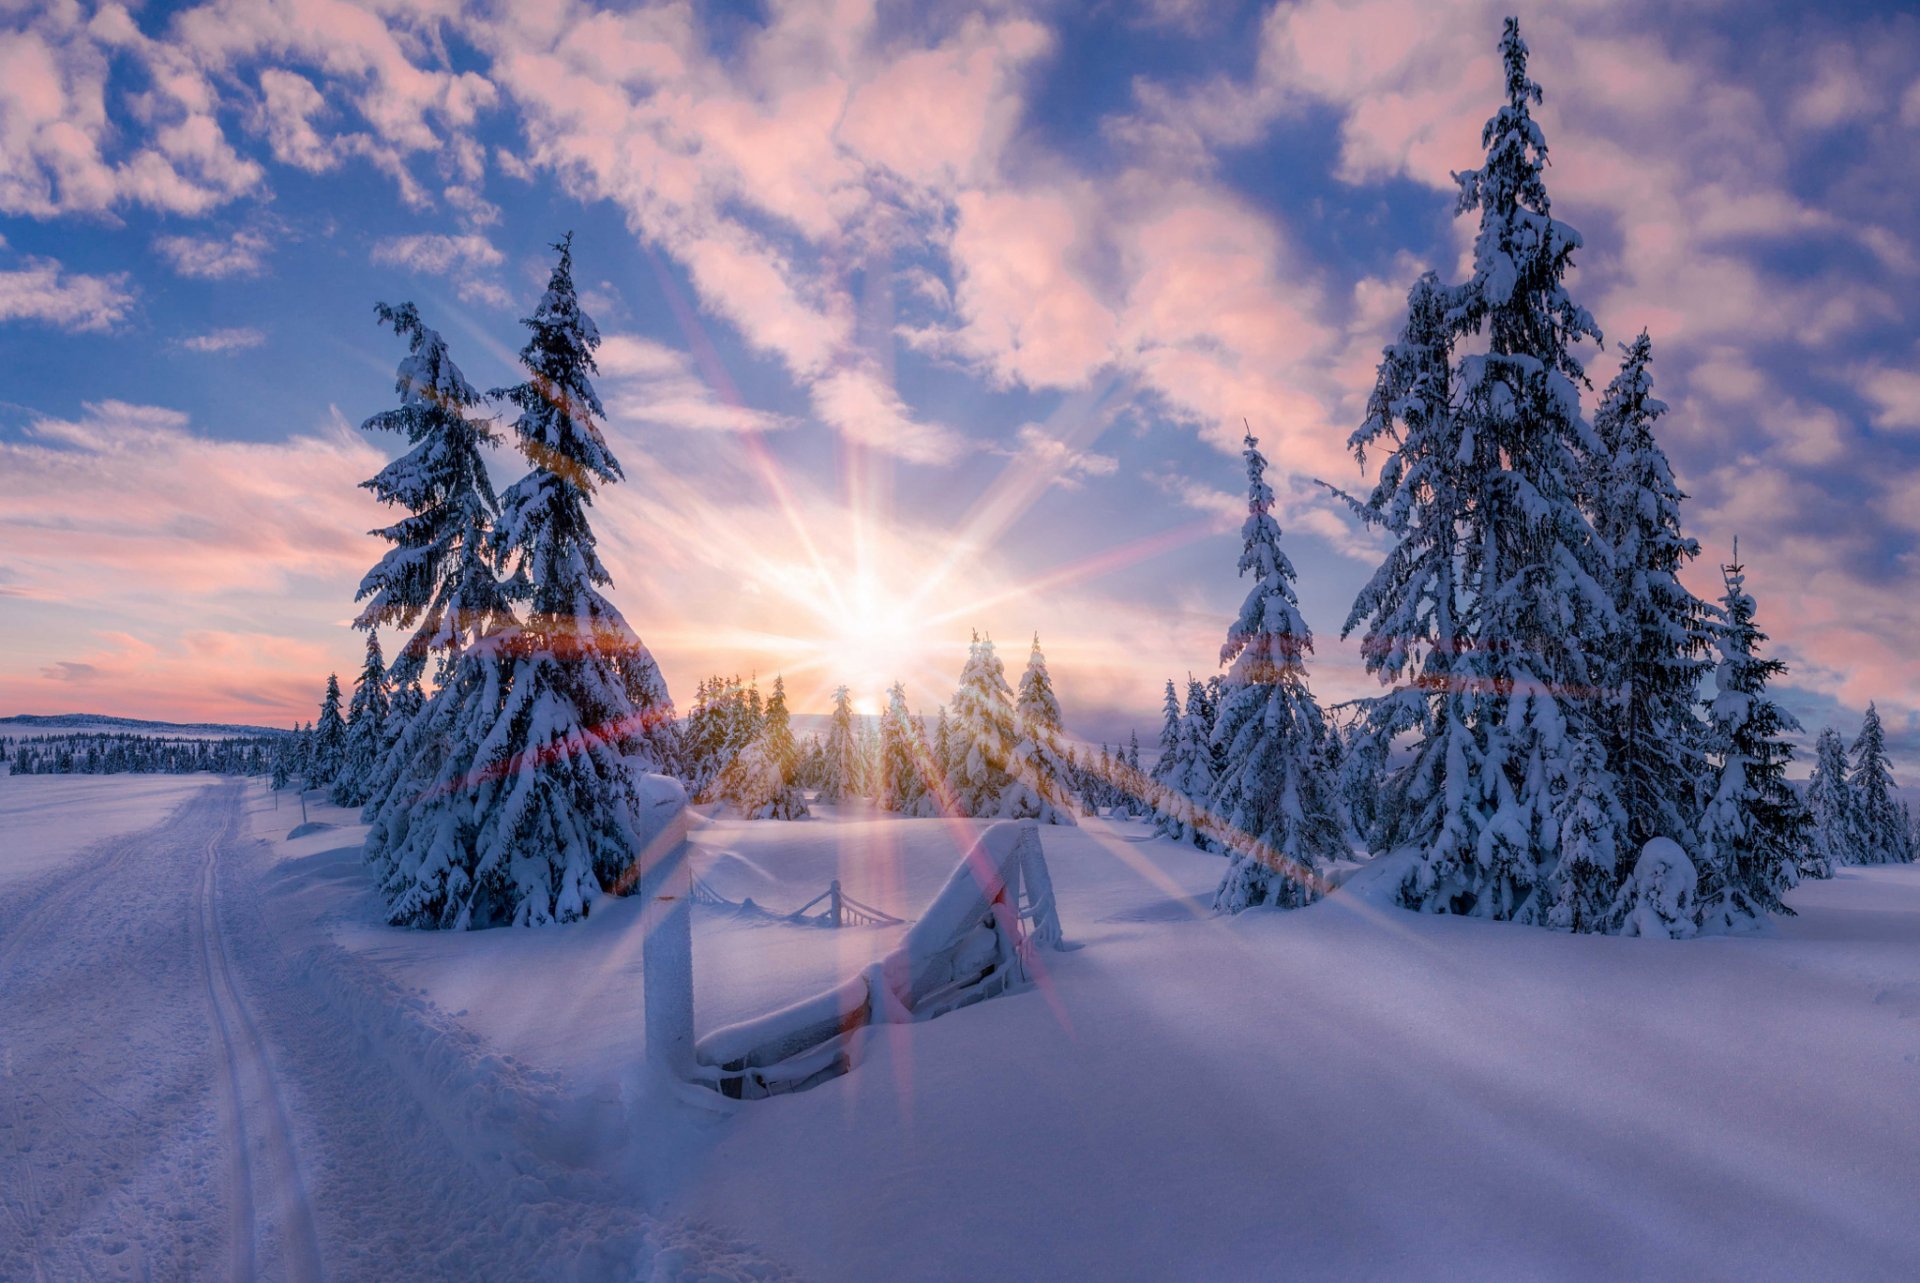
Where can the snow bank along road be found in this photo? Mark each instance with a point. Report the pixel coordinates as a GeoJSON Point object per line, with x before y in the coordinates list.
{"type": "Point", "coordinates": [187, 1091]}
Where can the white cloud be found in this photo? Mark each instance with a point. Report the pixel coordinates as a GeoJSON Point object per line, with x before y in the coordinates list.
{"type": "Point", "coordinates": [215, 258]}
{"type": "Point", "coordinates": [467, 259]}
{"type": "Point", "coordinates": [644, 382]}
{"type": "Point", "coordinates": [857, 402]}
{"type": "Point", "coordinates": [41, 289]}
{"type": "Point", "coordinates": [1895, 394]}
{"type": "Point", "coordinates": [1059, 462]}
{"type": "Point", "coordinates": [234, 339]}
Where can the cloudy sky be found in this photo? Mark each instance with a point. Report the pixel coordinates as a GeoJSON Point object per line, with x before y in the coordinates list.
{"type": "Point", "coordinates": [919, 318]}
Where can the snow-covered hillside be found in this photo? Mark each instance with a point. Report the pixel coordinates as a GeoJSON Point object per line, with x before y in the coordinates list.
{"type": "Point", "coordinates": [1344, 1091]}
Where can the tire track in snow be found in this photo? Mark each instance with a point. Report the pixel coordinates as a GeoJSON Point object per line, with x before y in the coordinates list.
{"type": "Point", "coordinates": [257, 1115]}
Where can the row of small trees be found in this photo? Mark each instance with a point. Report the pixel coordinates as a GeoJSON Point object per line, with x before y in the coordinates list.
{"type": "Point", "coordinates": [1547, 719]}
{"type": "Point", "coordinates": [991, 754]}
{"type": "Point", "coordinates": [123, 752]}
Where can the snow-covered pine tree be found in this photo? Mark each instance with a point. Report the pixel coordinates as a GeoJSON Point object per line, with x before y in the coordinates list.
{"type": "Point", "coordinates": [1490, 602]}
{"type": "Point", "coordinates": [1830, 832]}
{"type": "Point", "coordinates": [902, 784]}
{"type": "Point", "coordinates": [408, 700]}
{"type": "Point", "coordinates": [938, 757]}
{"type": "Point", "coordinates": [1136, 792]}
{"type": "Point", "coordinates": [1275, 812]}
{"type": "Point", "coordinates": [869, 756]}
{"type": "Point", "coordinates": [1579, 894]}
{"type": "Point", "coordinates": [984, 736]}
{"type": "Point", "coordinates": [1190, 784]}
{"type": "Point", "coordinates": [437, 580]}
{"type": "Point", "coordinates": [1656, 659]}
{"type": "Point", "coordinates": [557, 797]}
{"type": "Point", "coordinates": [840, 779]}
{"type": "Point", "coordinates": [367, 718]}
{"type": "Point", "coordinates": [777, 730]}
{"type": "Point", "coordinates": [1038, 764]}
{"type": "Point", "coordinates": [1880, 833]}
{"type": "Point", "coordinates": [328, 756]}
{"type": "Point", "coordinates": [1165, 809]}
{"type": "Point", "coordinates": [1363, 772]}
{"type": "Point", "coordinates": [1754, 826]}
{"type": "Point", "coordinates": [759, 781]}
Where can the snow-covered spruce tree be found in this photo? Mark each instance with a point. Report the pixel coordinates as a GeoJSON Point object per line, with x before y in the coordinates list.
{"type": "Point", "coordinates": [1754, 825]}
{"type": "Point", "coordinates": [1581, 891]}
{"type": "Point", "coordinates": [1491, 601]}
{"type": "Point", "coordinates": [556, 799]}
{"type": "Point", "coordinates": [759, 781]}
{"type": "Point", "coordinates": [408, 700]}
{"type": "Point", "coordinates": [1275, 811]}
{"type": "Point", "coordinates": [841, 772]}
{"type": "Point", "coordinates": [903, 784]}
{"type": "Point", "coordinates": [1879, 829]}
{"type": "Point", "coordinates": [1164, 811]}
{"type": "Point", "coordinates": [1830, 831]}
{"type": "Point", "coordinates": [1655, 659]}
{"type": "Point", "coordinates": [328, 756]}
{"type": "Point", "coordinates": [1190, 783]}
{"type": "Point", "coordinates": [1363, 771]}
{"type": "Point", "coordinates": [438, 581]}
{"type": "Point", "coordinates": [983, 733]}
{"type": "Point", "coordinates": [1136, 779]}
{"type": "Point", "coordinates": [1039, 766]}
{"type": "Point", "coordinates": [939, 755]}
{"type": "Point", "coordinates": [367, 719]}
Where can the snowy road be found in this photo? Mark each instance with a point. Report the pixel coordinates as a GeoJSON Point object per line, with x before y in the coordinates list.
{"type": "Point", "coordinates": [184, 1093]}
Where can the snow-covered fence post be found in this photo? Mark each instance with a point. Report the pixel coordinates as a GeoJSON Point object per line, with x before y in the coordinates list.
{"type": "Point", "coordinates": [666, 924]}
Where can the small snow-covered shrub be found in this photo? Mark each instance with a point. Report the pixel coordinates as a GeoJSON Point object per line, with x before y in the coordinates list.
{"type": "Point", "coordinates": [1658, 898]}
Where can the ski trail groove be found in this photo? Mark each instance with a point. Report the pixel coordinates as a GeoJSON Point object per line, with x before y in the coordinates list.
{"type": "Point", "coordinates": [256, 1110]}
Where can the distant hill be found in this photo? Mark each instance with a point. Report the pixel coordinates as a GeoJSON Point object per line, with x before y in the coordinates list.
{"type": "Point", "coordinates": [101, 724]}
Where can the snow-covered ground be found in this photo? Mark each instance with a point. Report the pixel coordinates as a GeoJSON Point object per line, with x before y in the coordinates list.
{"type": "Point", "coordinates": [1347, 1091]}
{"type": "Point", "coordinates": [47, 821]}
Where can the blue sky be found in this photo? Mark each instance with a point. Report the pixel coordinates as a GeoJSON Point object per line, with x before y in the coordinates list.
{"type": "Point", "coordinates": [958, 308]}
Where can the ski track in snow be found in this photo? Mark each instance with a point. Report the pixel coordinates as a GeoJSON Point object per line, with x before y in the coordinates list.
{"type": "Point", "coordinates": [190, 1088]}
{"type": "Point", "coordinates": [256, 1113]}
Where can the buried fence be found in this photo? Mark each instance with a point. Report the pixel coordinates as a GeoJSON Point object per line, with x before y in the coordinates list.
{"type": "Point", "coordinates": [976, 940]}
{"type": "Point", "coordinates": [842, 909]}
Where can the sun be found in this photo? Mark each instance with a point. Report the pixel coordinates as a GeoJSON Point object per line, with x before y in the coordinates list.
{"type": "Point", "coordinates": [875, 638]}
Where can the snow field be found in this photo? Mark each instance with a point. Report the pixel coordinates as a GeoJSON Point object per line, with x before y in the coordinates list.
{"type": "Point", "coordinates": [1346, 1091]}
{"type": "Point", "coordinates": [48, 820]}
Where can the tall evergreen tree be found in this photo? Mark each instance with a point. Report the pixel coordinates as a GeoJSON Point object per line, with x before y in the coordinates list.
{"type": "Point", "coordinates": [1754, 826]}
{"type": "Point", "coordinates": [1830, 807]}
{"type": "Point", "coordinates": [983, 733]}
{"type": "Point", "coordinates": [556, 800]}
{"type": "Point", "coordinates": [903, 784]}
{"type": "Point", "coordinates": [1656, 659]}
{"type": "Point", "coordinates": [1491, 601]}
{"type": "Point", "coordinates": [1276, 811]}
{"type": "Point", "coordinates": [1190, 782]}
{"type": "Point", "coordinates": [1165, 809]}
{"type": "Point", "coordinates": [439, 581]}
{"type": "Point", "coordinates": [1880, 831]}
{"type": "Point", "coordinates": [1038, 764]}
{"type": "Point", "coordinates": [842, 772]}
{"type": "Point", "coordinates": [367, 718]}
{"type": "Point", "coordinates": [328, 756]}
